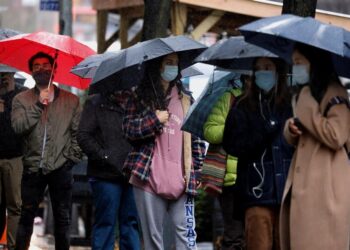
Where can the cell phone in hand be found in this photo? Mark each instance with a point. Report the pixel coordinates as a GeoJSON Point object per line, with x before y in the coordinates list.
{"type": "Point", "coordinates": [298, 124]}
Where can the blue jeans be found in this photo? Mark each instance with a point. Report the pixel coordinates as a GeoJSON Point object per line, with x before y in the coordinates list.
{"type": "Point", "coordinates": [114, 201]}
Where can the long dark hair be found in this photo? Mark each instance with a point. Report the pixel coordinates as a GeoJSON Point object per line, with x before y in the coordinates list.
{"type": "Point", "coordinates": [322, 71]}
{"type": "Point", "coordinates": [150, 91]}
{"type": "Point", "coordinates": [279, 94]}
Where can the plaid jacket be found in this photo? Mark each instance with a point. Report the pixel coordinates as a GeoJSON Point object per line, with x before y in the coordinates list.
{"type": "Point", "coordinates": [141, 128]}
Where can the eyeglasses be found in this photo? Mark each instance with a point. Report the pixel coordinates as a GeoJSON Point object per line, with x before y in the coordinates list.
{"type": "Point", "coordinates": [45, 66]}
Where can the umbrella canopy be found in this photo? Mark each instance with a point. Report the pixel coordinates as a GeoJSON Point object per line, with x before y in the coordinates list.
{"type": "Point", "coordinates": [191, 71]}
{"type": "Point", "coordinates": [6, 33]}
{"type": "Point", "coordinates": [129, 62]}
{"type": "Point", "coordinates": [279, 33]}
{"type": "Point", "coordinates": [87, 67]}
{"type": "Point", "coordinates": [233, 53]}
{"type": "Point", "coordinates": [5, 68]}
{"type": "Point", "coordinates": [17, 50]}
{"type": "Point", "coordinates": [219, 82]}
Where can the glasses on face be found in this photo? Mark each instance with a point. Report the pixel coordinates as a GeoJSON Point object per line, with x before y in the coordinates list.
{"type": "Point", "coordinates": [44, 66]}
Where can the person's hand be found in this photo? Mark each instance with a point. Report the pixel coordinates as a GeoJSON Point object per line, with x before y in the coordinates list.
{"type": "Point", "coordinates": [2, 105]}
{"type": "Point", "coordinates": [44, 96]}
{"type": "Point", "coordinates": [294, 128]}
{"type": "Point", "coordinates": [163, 116]}
{"type": "Point", "coordinates": [9, 81]}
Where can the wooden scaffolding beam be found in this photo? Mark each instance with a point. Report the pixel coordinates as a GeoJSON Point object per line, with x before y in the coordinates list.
{"type": "Point", "coordinates": [178, 18]}
{"type": "Point", "coordinates": [206, 24]}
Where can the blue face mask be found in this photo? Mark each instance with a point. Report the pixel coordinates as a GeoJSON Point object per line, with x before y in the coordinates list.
{"type": "Point", "coordinates": [265, 79]}
{"type": "Point", "coordinates": [237, 83]}
{"type": "Point", "coordinates": [170, 73]}
{"type": "Point", "coordinates": [300, 75]}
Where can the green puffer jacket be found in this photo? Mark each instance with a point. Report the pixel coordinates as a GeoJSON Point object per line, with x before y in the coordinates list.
{"type": "Point", "coordinates": [214, 131]}
{"type": "Point", "coordinates": [63, 116]}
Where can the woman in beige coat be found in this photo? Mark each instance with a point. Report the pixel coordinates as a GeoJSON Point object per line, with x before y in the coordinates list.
{"type": "Point", "coordinates": [315, 211]}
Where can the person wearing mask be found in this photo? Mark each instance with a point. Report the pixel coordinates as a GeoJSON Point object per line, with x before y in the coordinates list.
{"type": "Point", "coordinates": [101, 138]}
{"type": "Point", "coordinates": [315, 212]}
{"type": "Point", "coordinates": [213, 131]}
{"type": "Point", "coordinates": [47, 119]}
{"type": "Point", "coordinates": [10, 156]}
{"type": "Point", "coordinates": [254, 133]}
{"type": "Point", "coordinates": [164, 162]}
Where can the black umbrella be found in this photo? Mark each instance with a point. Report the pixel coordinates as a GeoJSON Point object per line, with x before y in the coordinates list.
{"type": "Point", "coordinates": [5, 68]}
{"type": "Point", "coordinates": [128, 64]}
{"type": "Point", "coordinates": [279, 34]}
{"type": "Point", "coordinates": [87, 68]}
{"type": "Point", "coordinates": [191, 71]}
{"type": "Point", "coordinates": [233, 53]}
{"type": "Point", "coordinates": [6, 33]}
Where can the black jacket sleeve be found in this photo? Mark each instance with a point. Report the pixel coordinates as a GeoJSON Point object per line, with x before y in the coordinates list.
{"type": "Point", "coordinates": [88, 127]}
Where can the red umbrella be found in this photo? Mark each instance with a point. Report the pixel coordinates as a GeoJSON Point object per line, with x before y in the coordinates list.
{"type": "Point", "coordinates": [17, 50]}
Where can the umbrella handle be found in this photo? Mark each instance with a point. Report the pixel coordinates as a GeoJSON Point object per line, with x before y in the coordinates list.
{"type": "Point", "coordinates": [53, 69]}
{"type": "Point", "coordinates": [155, 92]}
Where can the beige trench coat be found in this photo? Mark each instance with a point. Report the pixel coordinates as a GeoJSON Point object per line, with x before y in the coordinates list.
{"type": "Point", "coordinates": [315, 212]}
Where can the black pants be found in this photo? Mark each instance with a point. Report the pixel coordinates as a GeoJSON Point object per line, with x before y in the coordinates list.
{"type": "Point", "coordinates": [233, 238]}
{"type": "Point", "coordinates": [59, 183]}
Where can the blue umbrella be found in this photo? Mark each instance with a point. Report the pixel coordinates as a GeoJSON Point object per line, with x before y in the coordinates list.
{"type": "Point", "coordinates": [233, 53]}
{"type": "Point", "coordinates": [219, 82]}
{"type": "Point", "coordinates": [279, 33]}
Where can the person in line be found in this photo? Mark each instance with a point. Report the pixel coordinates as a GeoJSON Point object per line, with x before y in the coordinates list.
{"type": "Point", "coordinates": [224, 187]}
{"type": "Point", "coordinates": [47, 119]}
{"type": "Point", "coordinates": [254, 133]}
{"type": "Point", "coordinates": [10, 156]}
{"type": "Point", "coordinates": [164, 162]}
{"type": "Point", "coordinates": [100, 137]}
{"type": "Point", "coordinates": [315, 212]}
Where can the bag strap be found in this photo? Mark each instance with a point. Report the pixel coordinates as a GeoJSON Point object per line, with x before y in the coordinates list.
{"type": "Point", "coordinates": [335, 101]}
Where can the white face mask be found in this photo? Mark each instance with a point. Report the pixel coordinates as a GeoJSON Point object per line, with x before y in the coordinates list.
{"type": "Point", "coordinates": [170, 72]}
{"type": "Point", "coordinates": [300, 75]}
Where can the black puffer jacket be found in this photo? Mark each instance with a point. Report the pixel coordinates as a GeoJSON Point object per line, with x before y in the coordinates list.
{"type": "Point", "coordinates": [10, 143]}
{"type": "Point", "coordinates": [100, 137]}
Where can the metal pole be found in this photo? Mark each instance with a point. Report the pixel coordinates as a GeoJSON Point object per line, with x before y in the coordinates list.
{"type": "Point", "coordinates": [65, 17]}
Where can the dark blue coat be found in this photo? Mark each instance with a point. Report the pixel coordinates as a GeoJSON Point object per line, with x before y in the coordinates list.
{"type": "Point", "coordinates": [256, 138]}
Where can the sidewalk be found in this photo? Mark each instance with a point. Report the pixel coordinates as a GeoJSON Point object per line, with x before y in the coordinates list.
{"type": "Point", "coordinates": [46, 242]}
